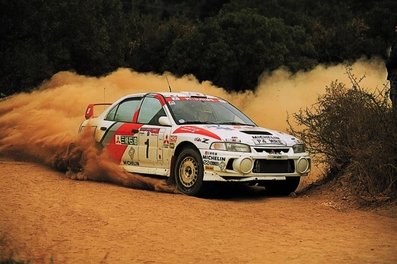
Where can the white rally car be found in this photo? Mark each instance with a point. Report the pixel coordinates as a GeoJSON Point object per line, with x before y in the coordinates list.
{"type": "Point", "coordinates": [197, 139]}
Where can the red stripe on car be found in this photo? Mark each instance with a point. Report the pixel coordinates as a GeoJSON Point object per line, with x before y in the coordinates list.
{"type": "Point", "coordinates": [116, 150]}
{"type": "Point", "coordinates": [161, 99]}
{"type": "Point", "coordinates": [196, 130]}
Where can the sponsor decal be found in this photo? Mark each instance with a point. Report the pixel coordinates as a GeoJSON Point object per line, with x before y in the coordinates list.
{"type": "Point", "coordinates": [172, 145]}
{"type": "Point", "coordinates": [265, 139]}
{"type": "Point", "coordinates": [214, 158]}
{"type": "Point", "coordinates": [202, 99]}
{"type": "Point", "coordinates": [118, 141]}
{"type": "Point", "coordinates": [223, 127]}
{"type": "Point", "coordinates": [173, 139]}
{"type": "Point", "coordinates": [211, 163]}
{"type": "Point", "coordinates": [184, 98]}
{"type": "Point", "coordinates": [196, 130]}
{"type": "Point", "coordinates": [166, 141]}
{"type": "Point", "coordinates": [150, 130]}
{"type": "Point", "coordinates": [276, 157]}
{"type": "Point", "coordinates": [130, 163]}
{"type": "Point", "coordinates": [208, 167]}
{"type": "Point", "coordinates": [202, 140]}
{"type": "Point", "coordinates": [233, 139]}
{"type": "Point", "coordinates": [126, 140]}
{"type": "Point", "coordinates": [131, 153]}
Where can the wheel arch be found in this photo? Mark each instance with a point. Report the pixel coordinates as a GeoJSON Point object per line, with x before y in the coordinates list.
{"type": "Point", "coordinates": [188, 170]}
{"type": "Point", "coordinates": [181, 146]}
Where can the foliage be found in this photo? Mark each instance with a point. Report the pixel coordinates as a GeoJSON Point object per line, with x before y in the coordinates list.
{"type": "Point", "coordinates": [12, 261]}
{"type": "Point", "coordinates": [6, 255]}
{"type": "Point", "coordinates": [234, 48]}
{"type": "Point", "coordinates": [229, 42]}
{"type": "Point", "coordinates": [354, 132]}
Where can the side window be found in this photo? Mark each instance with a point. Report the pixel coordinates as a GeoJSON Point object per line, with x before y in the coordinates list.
{"type": "Point", "coordinates": [150, 111]}
{"type": "Point", "coordinates": [124, 112]}
{"type": "Point", "coordinates": [111, 114]}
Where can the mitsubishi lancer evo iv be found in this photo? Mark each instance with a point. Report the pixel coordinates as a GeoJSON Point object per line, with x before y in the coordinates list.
{"type": "Point", "coordinates": [197, 139]}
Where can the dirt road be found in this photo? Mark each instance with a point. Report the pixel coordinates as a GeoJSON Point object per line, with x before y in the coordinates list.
{"type": "Point", "coordinates": [47, 218]}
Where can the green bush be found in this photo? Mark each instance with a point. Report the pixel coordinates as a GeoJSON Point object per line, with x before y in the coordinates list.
{"type": "Point", "coordinates": [11, 261]}
{"type": "Point", "coordinates": [354, 132]}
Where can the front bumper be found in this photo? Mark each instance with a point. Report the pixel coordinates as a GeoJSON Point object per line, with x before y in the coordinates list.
{"type": "Point", "coordinates": [245, 167]}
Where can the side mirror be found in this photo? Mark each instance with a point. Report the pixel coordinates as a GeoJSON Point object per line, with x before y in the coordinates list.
{"type": "Point", "coordinates": [164, 121]}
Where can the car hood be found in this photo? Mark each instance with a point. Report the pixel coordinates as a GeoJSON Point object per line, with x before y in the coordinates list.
{"type": "Point", "coordinates": [253, 136]}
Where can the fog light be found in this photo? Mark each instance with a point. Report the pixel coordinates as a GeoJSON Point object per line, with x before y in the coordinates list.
{"type": "Point", "coordinates": [303, 165]}
{"type": "Point", "coordinates": [243, 165]}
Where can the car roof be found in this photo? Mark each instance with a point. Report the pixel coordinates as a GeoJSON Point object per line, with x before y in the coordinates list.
{"type": "Point", "coordinates": [173, 94]}
{"type": "Point", "coordinates": [185, 94]}
{"type": "Point", "coordinates": [169, 95]}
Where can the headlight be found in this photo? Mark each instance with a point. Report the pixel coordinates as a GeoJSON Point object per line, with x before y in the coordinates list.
{"type": "Point", "coordinates": [299, 148]}
{"type": "Point", "coordinates": [230, 146]}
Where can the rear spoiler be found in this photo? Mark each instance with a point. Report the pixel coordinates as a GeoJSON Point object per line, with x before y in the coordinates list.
{"type": "Point", "coordinates": [89, 112]}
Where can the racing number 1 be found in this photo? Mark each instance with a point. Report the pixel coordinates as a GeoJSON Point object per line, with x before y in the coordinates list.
{"type": "Point", "coordinates": [147, 148]}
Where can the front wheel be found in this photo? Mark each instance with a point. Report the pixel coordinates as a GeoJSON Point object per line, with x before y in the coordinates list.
{"type": "Point", "coordinates": [189, 172]}
{"type": "Point", "coordinates": [282, 187]}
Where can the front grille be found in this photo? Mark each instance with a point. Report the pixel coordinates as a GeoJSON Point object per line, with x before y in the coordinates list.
{"type": "Point", "coordinates": [274, 166]}
{"type": "Point", "coordinates": [272, 150]}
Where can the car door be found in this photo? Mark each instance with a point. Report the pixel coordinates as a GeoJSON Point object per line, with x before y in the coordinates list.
{"type": "Point", "coordinates": [152, 137]}
{"type": "Point", "coordinates": [120, 136]}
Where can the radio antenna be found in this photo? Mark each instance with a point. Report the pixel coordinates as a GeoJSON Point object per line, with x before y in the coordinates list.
{"type": "Point", "coordinates": [169, 86]}
{"type": "Point", "coordinates": [104, 97]}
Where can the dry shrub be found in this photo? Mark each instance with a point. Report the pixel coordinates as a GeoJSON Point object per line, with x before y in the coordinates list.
{"type": "Point", "coordinates": [354, 132]}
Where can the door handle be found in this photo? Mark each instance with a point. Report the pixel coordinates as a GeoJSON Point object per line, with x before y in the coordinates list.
{"type": "Point", "coordinates": [103, 128]}
{"type": "Point", "coordinates": [134, 131]}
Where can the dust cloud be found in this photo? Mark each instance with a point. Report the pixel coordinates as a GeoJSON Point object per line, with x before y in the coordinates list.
{"type": "Point", "coordinates": [280, 92]}
{"type": "Point", "coordinates": [41, 125]}
{"type": "Point", "coordinates": [83, 160]}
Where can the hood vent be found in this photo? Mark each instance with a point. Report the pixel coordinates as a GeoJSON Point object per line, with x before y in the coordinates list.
{"type": "Point", "coordinates": [257, 133]}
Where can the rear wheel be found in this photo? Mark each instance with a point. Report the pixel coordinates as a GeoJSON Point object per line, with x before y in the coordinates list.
{"type": "Point", "coordinates": [282, 187]}
{"type": "Point", "coordinates": [189, 172]}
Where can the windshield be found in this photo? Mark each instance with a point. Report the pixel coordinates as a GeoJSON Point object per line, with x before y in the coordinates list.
{"type": "Point", "coordinates": [207, 111]}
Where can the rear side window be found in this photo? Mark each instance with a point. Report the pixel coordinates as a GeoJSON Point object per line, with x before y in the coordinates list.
{"type": "Point", "coordinates": [124, 112]}
{"type": "Point", "coordinates": [111, 113]}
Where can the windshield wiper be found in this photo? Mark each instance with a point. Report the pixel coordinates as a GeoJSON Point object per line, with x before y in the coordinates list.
{"type": "Point", "coordinates": [234, 123]}
{"type": "Point", "coordinates": [193, 122]}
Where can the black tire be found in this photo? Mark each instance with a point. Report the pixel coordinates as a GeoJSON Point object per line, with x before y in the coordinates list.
{"type": "Point", "coordinates": [283, 187]}
{"type": "Point", "coordinates": [189, 172]}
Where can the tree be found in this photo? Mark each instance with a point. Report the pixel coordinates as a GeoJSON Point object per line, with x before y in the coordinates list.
{"type": "Point", "coordinates": [229, 42]}
{"type": "Point", "coordinates": [24, 60]}
{"type": "Point", "coordinates": [151, 41]}
{"type": "Point", "coordinates": [234, 48]}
